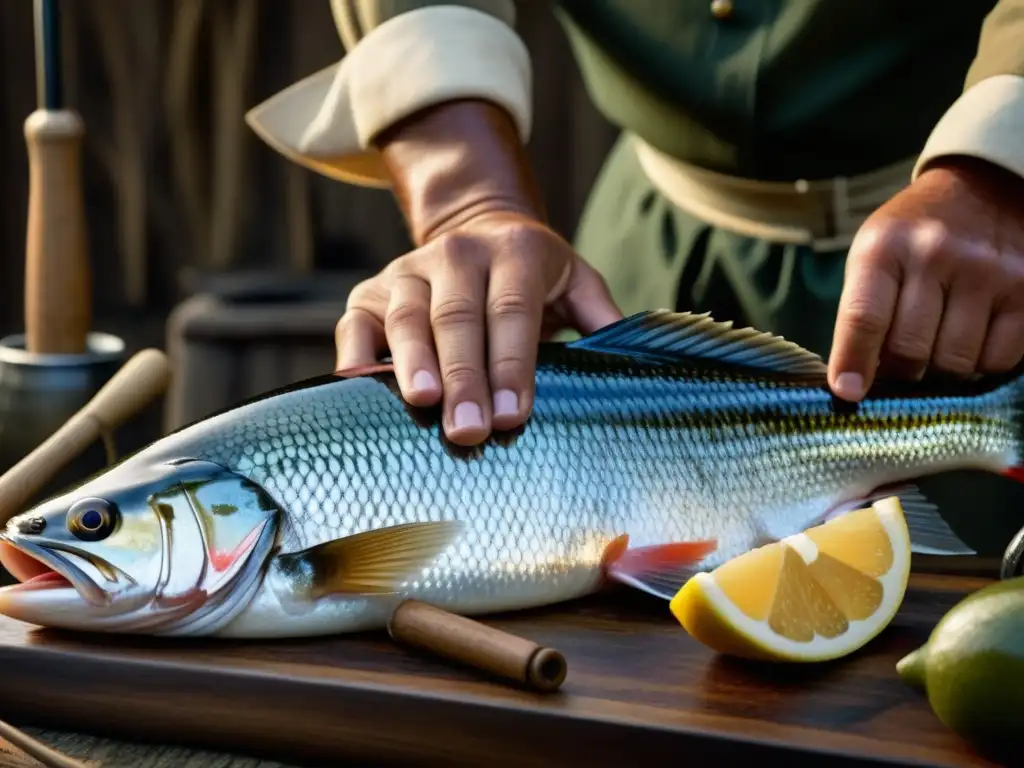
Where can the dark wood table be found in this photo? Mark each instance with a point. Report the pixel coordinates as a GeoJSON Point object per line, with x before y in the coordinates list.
{"type": "Point", "coordinates": [639, 690]}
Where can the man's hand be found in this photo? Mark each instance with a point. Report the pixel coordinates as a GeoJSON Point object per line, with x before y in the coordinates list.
{"type": "Point", "coordinates": [463, 315]}
{"type": "Point", "coordinates": [464, 312]}
{"type": "Point", "coordinates": [935, 280]}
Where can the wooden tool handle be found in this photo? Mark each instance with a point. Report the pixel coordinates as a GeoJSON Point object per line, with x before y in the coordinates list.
{"type": "Point", "coordinates": [37, 752]}
{"type": "Point", "coordinates": [139, 381]}
{"type": "Point", "coordinates": [144, 377]}
{"type": "Point", "coordinates": [478, 645]}
{"type": "Point", "coordinates": [58, 282]}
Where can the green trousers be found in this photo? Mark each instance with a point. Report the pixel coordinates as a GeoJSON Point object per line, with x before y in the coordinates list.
{"type": "Point", "coordinates": [655, 256]}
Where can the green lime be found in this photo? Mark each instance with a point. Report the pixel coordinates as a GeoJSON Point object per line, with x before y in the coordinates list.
{"type": "Point", "coordinates": [972, 669]}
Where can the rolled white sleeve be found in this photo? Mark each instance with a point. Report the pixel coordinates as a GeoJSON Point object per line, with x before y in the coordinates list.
{"type": "Point", "coordinates": [986, 122]}
{"type": "Point", "coordinates": [327, 121]}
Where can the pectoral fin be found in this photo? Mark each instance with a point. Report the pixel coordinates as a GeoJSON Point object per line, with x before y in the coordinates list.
{"type": "Point", "coordinates": [370, 563]}
{"type": "Point", "coordinates": [659, 570]}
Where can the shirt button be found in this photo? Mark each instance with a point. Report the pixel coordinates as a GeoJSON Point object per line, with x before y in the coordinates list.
{"type": "Point", "coordinates": [721, 9]}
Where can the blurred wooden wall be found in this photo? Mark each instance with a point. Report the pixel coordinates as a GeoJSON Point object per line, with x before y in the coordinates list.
{"type": "Point", "coordinates": [176, 180]}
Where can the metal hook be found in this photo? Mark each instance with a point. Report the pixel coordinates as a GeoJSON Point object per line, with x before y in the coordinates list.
{"type": "Point", "coordinates": [1013, 557]}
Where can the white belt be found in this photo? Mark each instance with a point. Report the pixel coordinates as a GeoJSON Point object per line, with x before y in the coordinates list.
{"type": "Point", "coordinates": [824, 214]}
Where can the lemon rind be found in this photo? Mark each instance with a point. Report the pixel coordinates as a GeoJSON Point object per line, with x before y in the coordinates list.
{"type": "Point", "coordinates": [762, 637]}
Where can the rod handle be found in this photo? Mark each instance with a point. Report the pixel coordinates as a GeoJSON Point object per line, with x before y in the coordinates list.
{"type": "Point", "coordinates": [58, 281]}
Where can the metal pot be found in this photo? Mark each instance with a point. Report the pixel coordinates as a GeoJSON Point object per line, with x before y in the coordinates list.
{"type": "Point", "coordinates": [39, 392]}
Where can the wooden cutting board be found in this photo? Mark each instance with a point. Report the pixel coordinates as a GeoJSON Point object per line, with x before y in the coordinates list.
{"type": "Point", "coordinates": [639, 690]}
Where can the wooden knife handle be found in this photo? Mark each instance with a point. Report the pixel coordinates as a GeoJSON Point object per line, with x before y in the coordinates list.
{"type": "Point", "coordinates": [142, 379]}
{"type": "Point", "coordinates": [492, 650]}
{"type": "Point", "coordinates": [58, 283]}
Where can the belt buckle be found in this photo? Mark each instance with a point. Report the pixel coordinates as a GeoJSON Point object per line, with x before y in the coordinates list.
{"type": "Point", "coordinates": [838, 224]}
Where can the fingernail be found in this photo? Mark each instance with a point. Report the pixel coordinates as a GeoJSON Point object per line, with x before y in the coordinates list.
{"type": "Point", "coordinates": [506, 403]}
{"type": "Point", "coordinates": [850, 384]}
{"type": "Point", "coordinates": [422, 380]}
{"type": "Point", "coordinates": [468, 415]}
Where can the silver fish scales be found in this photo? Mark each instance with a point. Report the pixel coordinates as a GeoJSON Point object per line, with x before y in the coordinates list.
{"type": "Point", "coordinates": [663, 429]}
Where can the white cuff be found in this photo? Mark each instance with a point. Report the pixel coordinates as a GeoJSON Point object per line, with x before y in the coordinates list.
{"type": "Point", "coordinates": [414, 60]}
{"type": "Point", "coordinates": [986, 122]}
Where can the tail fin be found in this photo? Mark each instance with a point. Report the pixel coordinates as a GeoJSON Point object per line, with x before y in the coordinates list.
{"type": "Point", "coordinates": [930, 534]}
{"type": "Point", "coordinates": [1016, 469]}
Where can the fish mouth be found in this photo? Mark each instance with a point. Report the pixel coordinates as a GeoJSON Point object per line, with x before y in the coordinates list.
{"type": "Point", "coordinates": [39, 569]}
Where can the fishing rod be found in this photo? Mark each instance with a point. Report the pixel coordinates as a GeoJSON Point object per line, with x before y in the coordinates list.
{"type": "Point", "coordinates": [58, 279]}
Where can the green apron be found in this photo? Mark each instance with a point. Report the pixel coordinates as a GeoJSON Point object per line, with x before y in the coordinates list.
{"type": "Point", "coordinates": [654, 255]}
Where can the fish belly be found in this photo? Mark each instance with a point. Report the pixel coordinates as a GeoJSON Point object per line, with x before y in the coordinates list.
{"type": "Point", "coordinates": [539, 510]}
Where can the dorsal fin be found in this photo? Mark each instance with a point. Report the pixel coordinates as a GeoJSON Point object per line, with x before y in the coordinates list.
{"type": "Point", "coordinates": [666, 336]}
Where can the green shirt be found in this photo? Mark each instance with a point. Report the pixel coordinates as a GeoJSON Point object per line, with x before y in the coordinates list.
{"type": "Point", "coordinates": [781, 89]}
{"type": "Point", "coordinates": [784, 88]}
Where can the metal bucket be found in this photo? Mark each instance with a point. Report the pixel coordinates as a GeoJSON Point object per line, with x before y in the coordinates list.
{"type": "Point", "coordinates": [39, 392]}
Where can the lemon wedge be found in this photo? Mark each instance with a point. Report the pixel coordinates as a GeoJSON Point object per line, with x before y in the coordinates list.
{"type": "Point", "coordinates": [814, 596]}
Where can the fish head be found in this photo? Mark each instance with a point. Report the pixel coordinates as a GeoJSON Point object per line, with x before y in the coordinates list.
{"type": "Point", "coordinates": [145, 547]}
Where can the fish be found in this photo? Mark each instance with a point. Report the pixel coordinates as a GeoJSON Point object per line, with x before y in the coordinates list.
{"type": "Point", "coordinates": [659, 446]}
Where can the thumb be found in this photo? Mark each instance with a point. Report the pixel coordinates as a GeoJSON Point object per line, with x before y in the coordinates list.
{"type": "Point", "coordinates": [866, 310]}
{"type": "Point", "coordinates": [587, 302]}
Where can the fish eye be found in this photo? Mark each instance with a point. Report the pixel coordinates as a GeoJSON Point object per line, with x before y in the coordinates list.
{"type": "Point", "coordinates": [92, 519]}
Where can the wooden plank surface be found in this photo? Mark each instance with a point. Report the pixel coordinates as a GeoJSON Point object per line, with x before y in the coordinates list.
{"type": "Point", "coordinates": [639, 689]}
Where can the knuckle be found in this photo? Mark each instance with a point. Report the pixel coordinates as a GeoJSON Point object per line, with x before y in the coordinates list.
{"type": "Point", "coordinates": [954, 360]}
{"type": "Point", "coordinates": [932, 245]}
{"type": "Point", "coordinates": [460, 377]}
{"type": "Point", "coordinates": [363, 294]}
{"type": "Point", "coordinates": [511, 302]}
{"type": "Point", "coordinates": [347, 324]}
{"type": "Point", "coordinates": [406, 315]}
{"type": "Point", "coordinates": [403, 266]}
{"type": "Point", "coordinates": [455, 249]}
{"type": "Point", "coordinates": [864, 316]}
{"type": "Point", "coordinates": [515, 240]}
{"type": "Point", "coordinates": [357, 295]}
{"type": "Point", "coordinates": [876, 239]}
{"type": "Point", "coordinates": [910, 346]}
{"type": "Point", "coordinates": [525, 240]}
{"type": "Point", "coordinates": [453, 311]}
{"type": "Point", "coordinates": [392, 268]}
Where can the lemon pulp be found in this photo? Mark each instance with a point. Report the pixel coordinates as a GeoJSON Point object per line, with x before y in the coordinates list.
{"type": "Point", "coordinates": [814, 596]}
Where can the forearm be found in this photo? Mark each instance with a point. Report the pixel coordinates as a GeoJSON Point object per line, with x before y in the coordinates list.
{"type": "Point", "coordinates": [985, 122]}
{"type": "Point", "coordinates": [455, 161]}
{"type": "Point", "coordinates": [404, 57]}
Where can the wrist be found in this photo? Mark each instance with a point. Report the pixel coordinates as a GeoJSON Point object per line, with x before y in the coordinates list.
{"type": "Point", "coordinates": [986, 178]}
{"type": "Point", "coordinates": [455, 162]}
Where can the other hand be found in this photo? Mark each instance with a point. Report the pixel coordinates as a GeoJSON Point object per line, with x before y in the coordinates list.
{"type": "Point", "coordinates": [935, 280]}
{"type": "Point", "coordinates": [463, 316]}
